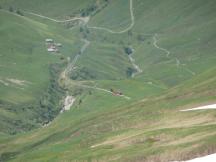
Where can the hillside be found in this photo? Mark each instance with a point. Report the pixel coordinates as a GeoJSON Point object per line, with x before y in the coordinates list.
{"type": "Point", "coordinates": [126, 70]}
{"type": "Point", "coordinates": [26, 70]}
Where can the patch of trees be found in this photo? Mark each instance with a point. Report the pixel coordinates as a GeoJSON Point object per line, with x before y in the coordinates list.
{"type": "Point", "coordinates": [62, 58]}
{"type": "Point", "coordinates": [89, 10]}
{"type": "Point", "coordinates": [128, 50]}
{"type": "Point", "coordinates": [22, 122]}
{"type": "Point", "coordinates": [85, 31]}
{"type": "Point", "coordinates": [70, 24]}
{"type": "Point", "coordinates": [19, 13]}
{"type": "Point", "coordinates": [94, 8]}
{"type": "Point", "coordinates": [6, 156]}
{"type": "Point", "coordinates": [100, 8]}
{"type": "Point", "coordinates": [11, 9]}
{"type": "Point", "coordinates": [49, 105]}
{"type": "Point", "coordinates": [32, 115]}
{"type": "Point", "coordinates": [141, 38]}
{"type": "Point", "coordinates": [83, 74]}
{"type": "Point", "coordinates": [77, 91]}
{"type": "Point", "coordinates": [130, 71]}
{"type": "Point", "coordinates": [81, 29]}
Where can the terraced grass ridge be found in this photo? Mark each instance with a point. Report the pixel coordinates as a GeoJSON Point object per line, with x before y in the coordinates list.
{"type": "Point", "coordinates": [107, 80]}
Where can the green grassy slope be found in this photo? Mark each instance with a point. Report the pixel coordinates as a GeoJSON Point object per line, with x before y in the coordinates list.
{"type": "Point", "coordinates": [25, 71]}
{"type": "Point", "coordinates": [119, 131]}
{"type": "Point", "coordinates": [105, 127]}
{"type": "Point", "coordinates": [185, 28]}
{"type": "Point", "coordinates": [114, 16]}
{"type": "Point", "coordinates": [55, 9]}
{"type": "Point", "coordinates": [106, 61]}
{"type": "Point", "coordinates": [188, 39]}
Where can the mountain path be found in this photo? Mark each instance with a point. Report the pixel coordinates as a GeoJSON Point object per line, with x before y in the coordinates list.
{"type": "Point", "coordinates": [167, 52]}
{"type": "Point", "coordinates": [158, 47]}
{"type": "Point", "coordinates": [71, 66]}
{"type": "Point", "coordinates": [101, 89]}
{"type": "Point", "coordinates": [84, 19]}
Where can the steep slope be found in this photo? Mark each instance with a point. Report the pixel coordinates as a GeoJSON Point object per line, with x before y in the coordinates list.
{"type": "Point", "coordinates": [28, 72]}
{"type": "Point", "coordinates": [174, 48]}
{"type": "Point", "coordinates": [152, 129]}
{"type": "Point", "coordinates": [171, 44]}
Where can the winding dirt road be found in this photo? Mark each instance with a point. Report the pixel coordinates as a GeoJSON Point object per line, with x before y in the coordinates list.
{"type": "Point", "coordinates": [158, 47]}
{"type": "Point", "coordinates": [101, 89]}
{"type": "Point", "coordinates": [84, 19]}
{"type": "Point", "coordinates": [70, 67]}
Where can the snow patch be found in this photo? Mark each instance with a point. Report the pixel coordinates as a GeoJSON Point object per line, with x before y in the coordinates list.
{"type": "Point", "coordinates": [207, 107]}
{"type": "Point", "coordinates": [208, 158]}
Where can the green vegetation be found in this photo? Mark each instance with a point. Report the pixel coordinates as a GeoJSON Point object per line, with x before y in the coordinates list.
{"type": "Point", "coordinates": [128, 50]}
{"type": "Point", "coordinates": [173, 46]}
{"type": "Point", "coordinates": [19, 13]}
{"type": "Point", "coordinates": [83, 74]}
{"type": "Point", "coordinates": [27, 73]}
{"type": "Point", "coordinates": [130, 72]}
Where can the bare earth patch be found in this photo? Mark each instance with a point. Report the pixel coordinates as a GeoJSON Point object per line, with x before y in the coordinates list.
{"type": "Point", "coordinates": [68, 102]}
{"type": "Point", "coordinates": [3, 82]}
{"type": "Point", "coordinates": [18, 82]}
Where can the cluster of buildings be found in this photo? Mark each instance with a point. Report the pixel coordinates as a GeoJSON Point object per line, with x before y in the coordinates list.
{"type": "Point", "coordinates": [52, 46]}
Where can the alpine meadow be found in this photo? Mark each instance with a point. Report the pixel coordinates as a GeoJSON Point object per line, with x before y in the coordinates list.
{"type": "Point", "coordinates": [107, 80]}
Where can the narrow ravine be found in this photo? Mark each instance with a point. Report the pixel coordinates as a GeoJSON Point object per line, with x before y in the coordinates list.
{"type": "Point", "coordinates": [133, 62]}
{"type": "Point", "coordinates": [68, 103]}
{"type": "Point", "coordinates": [69, 100]}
